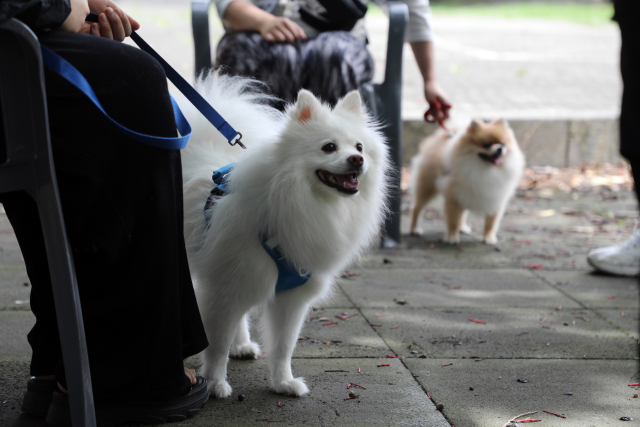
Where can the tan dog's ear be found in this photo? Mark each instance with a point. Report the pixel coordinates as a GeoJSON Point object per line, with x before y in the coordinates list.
{"type": "Point", "coordinates": [306, 108]}
{"type": "Point", "coordinates": [501, 122]}
{"type": "Point", "coordinates": [351, 103]}
{"type": "Point", "coordinates": [475, 125]}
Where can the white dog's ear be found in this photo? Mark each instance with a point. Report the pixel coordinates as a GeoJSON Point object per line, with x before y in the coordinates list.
{"type": "Point", "coordinates": [351, 103]}
{"type": "Point", "coordinates": [306, 108]}
{"type": "Point", "coordinates": [502, 122]}
{"type": "Point", "coordinates": [475, 125]}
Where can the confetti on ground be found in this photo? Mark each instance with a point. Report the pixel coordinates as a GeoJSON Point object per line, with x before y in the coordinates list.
{"type": "Point", "coordinates": [355, 396]}
{"type": "Point", "coordinates": [611, 297]}
{"type": "Point", "coordinates": [634, 384]}
{"type": "Point", "coordinates": [622, 313]}
{"type": "Point", "coordinates": [381, 315]}
{"type": "Point", "coordinates": [529, 420]}
{"type": "Point", "coordinates": [553, 413]}
{"type": "Point", "coordinates": [383, 364]}
{"type": "Point", "coordinates": [356, 385]}
{"type": "Point", "coordinates": [375, 324]}
{"type": "Point", "coordinates": [558, 308]}
{"type": "Point", "coordinates": [543, 320]}
{"type": "Point", "coordinates": [454, 287]}
{"type": "Point", "coordinates": [428, 277]}
{"type": "Point", "coordinates": [533, 266]}
{"type": "Point", "coordinates": [280, 404]}
{"type": "Point", "coordinates": [391, 356]}
{"type": "Point", "coordinates": [358, 370]}
{"type": "Point", "coordinates": [345, 317]}
{"type": "Point", "coordinates": [478, 321]}
{"type": "Point", "coordinates": [395, 327]}
{"type": "Point", "coordinates": [329, 323]}
{"type": "Point", "coordinates": [584, 318]}
{"type": "Point", "coordinates": [447, 364]}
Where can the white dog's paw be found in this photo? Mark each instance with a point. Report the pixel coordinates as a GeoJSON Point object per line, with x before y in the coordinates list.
{"type": "Point", "coordinates": [219, 389]}
{"type": "Point", "coordinates": [293, 387]}
{"type": "Point", "coordinates": [491, 240]}
{"type": "Point", "coordinates": [453, 239]}
{"type": "Point", "coordinates": [465, 229]}
{"type": "Point", "coordinates": [250, 350]}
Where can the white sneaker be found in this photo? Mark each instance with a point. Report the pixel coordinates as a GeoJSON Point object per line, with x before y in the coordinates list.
{"type": "Point", "coordinates": [621, 260]}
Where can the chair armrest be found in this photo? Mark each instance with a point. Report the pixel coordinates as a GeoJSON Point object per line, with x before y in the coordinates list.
{"type": "Point", "coordinates": [398, 17]}
{"type": "Point", "coordinates": [201, 41]}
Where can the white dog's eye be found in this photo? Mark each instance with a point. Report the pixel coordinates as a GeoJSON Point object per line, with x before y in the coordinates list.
{"type": "Point", "coordinates": [329, 147]}
{"type": "Point", "coordinates": [359, 147]}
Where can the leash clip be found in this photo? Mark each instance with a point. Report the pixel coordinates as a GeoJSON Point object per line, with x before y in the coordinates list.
{"type": "Point", "coordinates": [237, 142]}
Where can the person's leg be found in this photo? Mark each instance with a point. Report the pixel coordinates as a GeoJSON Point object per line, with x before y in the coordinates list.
{"type": "Point", "coordinates": [122, 203]}
{"type": "Point", "coordinates": [335, 63]}
{"type": "Point", "coordinates": [248, 54]}
{"type": "Point", "coordinates": [624, 259]}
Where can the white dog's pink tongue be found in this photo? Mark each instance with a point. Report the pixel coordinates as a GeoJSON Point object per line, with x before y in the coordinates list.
{"type": "Point", "coordinates": [497, 161]}
{"type": "Point", "coordinates": [346, 181]}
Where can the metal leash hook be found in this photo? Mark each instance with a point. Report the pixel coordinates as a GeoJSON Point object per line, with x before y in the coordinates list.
{"type": "Point", "coordinates": [237, 142]}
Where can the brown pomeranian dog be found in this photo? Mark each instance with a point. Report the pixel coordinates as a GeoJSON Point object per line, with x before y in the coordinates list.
{"type": "Point", "coordinates": [475, 170]}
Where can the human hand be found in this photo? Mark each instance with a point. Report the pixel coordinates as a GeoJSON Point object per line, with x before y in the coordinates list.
{"type": "Point", "coordinates": [75, 20]}
{"type": "Point", "coordinates": [113, 23]}
{"type": "Point", "coordinates": [439, 105]}
{"type": "Point", "coordinates": [278, 29]}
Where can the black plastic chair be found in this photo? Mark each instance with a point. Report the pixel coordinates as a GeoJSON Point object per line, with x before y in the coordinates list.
{"type": "Point", "coordinates": [29, 167]}
{"type": "Point", "coordinates": [384, 99]}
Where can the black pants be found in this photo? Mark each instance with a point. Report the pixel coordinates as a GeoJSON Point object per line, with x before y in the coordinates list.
{"type": "Point", "coordinates": [122, 205]}
{"type": "Point", "coordinates": [329, 65]}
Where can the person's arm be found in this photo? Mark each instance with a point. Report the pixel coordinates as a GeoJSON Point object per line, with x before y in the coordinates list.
{"type": "Point", "coordinates": [75, 20]}
{"type": "Point", "coordinates": [419, 34]}
{"type": "Point", "coordinates": [438, 103]}
{"type": "Point", "coordinates": [244, 16]}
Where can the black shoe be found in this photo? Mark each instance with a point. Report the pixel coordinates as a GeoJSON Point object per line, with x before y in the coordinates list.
{"type": "Point", "coordinates": [110, 414]}
{"type": "Point", "coordinates": [38, 397]}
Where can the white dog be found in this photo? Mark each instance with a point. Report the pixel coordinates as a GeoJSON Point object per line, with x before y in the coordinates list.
{"type": "Point", "coordinates": [312, 181]}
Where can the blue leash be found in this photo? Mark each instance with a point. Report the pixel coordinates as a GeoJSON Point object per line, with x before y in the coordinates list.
{"type": "Point", "coordinates": [73, 76]}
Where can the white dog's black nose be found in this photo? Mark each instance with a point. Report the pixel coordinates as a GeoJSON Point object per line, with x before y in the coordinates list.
{"type": "Point", "coordinates": [356, 160]}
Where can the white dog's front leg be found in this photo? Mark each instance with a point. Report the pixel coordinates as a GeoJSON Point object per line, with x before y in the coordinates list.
{"type": "Point", "coordinates": [242, 346]}
{"type": "Point", "coordinates": [282, 323]}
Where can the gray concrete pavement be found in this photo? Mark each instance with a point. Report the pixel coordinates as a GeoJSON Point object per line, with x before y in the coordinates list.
{"type": "Point", "coordinates": [560, 328]}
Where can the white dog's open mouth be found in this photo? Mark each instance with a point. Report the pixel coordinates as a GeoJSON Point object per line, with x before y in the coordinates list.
{"type": "Point", "coordinates": [496, 159]}
{"type": "Point", "coordinates": [347, 183]}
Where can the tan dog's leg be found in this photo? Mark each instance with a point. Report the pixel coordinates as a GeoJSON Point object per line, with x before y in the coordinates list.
{"type": "Point", "coordinates": [424, 194]}
{"type": "Point", "coordinates": [454, 214]}
{"type": "Point", "coordinates": [491, 224]}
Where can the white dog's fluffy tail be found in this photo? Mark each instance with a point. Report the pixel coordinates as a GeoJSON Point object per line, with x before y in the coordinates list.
{"type": "Point", "coordinates": [244, 104]}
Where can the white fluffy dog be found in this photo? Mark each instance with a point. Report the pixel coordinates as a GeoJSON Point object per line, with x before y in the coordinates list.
{"type": "Point", "coordinates": [313, 179]}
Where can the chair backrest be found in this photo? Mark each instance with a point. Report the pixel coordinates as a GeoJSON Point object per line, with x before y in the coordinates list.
{"type": "Point", "coordinates": [29, 166]}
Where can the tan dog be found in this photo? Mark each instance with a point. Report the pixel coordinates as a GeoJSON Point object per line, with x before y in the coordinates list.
{"type": "Point", "coordinates": [477, 169]}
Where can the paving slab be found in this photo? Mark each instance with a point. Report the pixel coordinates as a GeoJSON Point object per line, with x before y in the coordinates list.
{"type": "Point", "coordinates": [627, 320]}
{"type": "Point", "coordinates": [392, 397]}
{"type": "Point", "coordinates": [14, 327]}
{"type": "Point", "coordinates": [352, 337]}
{"type": "Point", "coordinates": [596, 290]}
{"type": "Point", "coordinates": [459, 288]}
{"type": "Point", "coordinates": [508, 333]}
{"type": "Point", "coordinates": [600, 392]}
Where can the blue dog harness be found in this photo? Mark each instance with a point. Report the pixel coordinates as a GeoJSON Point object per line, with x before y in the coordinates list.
{"type": "Point", "coordinates": [288, 276]}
